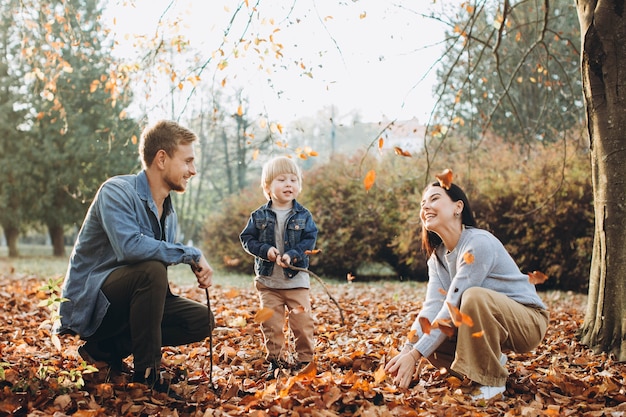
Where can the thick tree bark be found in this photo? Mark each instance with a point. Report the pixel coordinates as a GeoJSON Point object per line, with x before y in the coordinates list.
{"type": "Point", "coordinates": [603, 31]}
{"type": "Point", "coordinates": [11, 234]}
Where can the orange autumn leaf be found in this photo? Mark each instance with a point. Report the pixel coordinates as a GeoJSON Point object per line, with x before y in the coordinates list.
{"type": "Point", "coordinates": [297, 310]}
{"type": "Point", "coordinates": [443, 292]}
{"type": "Point", "coordinates": [263, 315]}
{"type": "Point", "coordinates": [369, 180]}
{"type": "Point", "coordinates": [413, 335]}
{"type": "Point", "coordinates": [468, 258]}
{"type": "Point", "coordinates": [381, 143]}
{"type": "Point", "coordinates": [380, 374]}
{"type": "Point", "coordinates": [459, 318]}
{"type": "Point", "coordinates": [312, 251]}
{"type": "Point", "coordinates": [537, 277]}
{"type": "Point", "coordinates": [401, 152]}
{"type": "Point", "coordinates": [232, 293]}
{"type": "Point", "coordinates": [445, 326]}
{"type": "Point", "coordinates": [478, 334]}
{"type": "Point", "coordinates": [425, 325]}
{"type": "Point", "coordinates": [445, 179]}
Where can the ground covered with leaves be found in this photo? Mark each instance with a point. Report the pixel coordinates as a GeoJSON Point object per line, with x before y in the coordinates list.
{"type": "Point", "coordinates": [560, 378]}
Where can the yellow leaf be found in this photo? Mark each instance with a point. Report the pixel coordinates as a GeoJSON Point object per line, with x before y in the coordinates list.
{"type": "Point", "coordinates": [468, 258]}
{"type": "Point", "coordinates": [363, 15]}
{"type": "Point", "coordinates": [134, 139]}
{"type": "Point", "coordinates": [381, 143]}
{"type": "Point", "coordinates": [380, 374]}
{"type": "Point", "coordinates": [413, 336]}
{"type": "Point", "coordinates": [180, 86]}
{"type": "Point", "coordinates": [255, 154]}
{"type": "Point", "coordinates": [369, 180]}
{"type": "Point", "coordinates": [239, 111]}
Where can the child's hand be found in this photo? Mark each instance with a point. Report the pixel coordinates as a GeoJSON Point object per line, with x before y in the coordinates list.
{"type": "Point", "coordinates": [273, 254]}
{"type": "Point", "coordinates": [284, 261]}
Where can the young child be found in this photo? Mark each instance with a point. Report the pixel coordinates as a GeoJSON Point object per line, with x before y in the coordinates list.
{"type": "Point", "coordinates": [278, 234]}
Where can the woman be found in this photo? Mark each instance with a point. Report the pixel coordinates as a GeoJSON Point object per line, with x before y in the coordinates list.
{"type": "Point", "coordinates": [478, 303]}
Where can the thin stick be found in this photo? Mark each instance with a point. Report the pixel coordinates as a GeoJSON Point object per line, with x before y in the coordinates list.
{"type": "Point", "coordinates": [325, 288]}
{"type": "Point", "coordinates": [208, 304]}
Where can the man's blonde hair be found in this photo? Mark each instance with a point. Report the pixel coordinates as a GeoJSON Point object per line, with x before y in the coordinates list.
{"type": "Point", "coordinates": [278, 166]}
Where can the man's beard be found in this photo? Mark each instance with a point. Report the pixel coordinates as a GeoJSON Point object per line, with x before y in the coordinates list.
{"type": "Point", "coordinates": [178, 187]}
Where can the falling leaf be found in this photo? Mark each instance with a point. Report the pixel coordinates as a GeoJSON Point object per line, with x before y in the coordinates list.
{"type": "Point", "coordinates": [381, 143]}
{"type": "Point", "coordinates": [459, 318]}
{"type": "Point", "coordinates": [401, 152]}
{"type": "Point", "coordinates": [298, 310]}
{"type": "Point", "coordinates": [478, 334]}
{"type": "Point", "coordinates": [445, 179]}
{"type": "Point", "coordinates": [412, 336]}
{"type": "Point", "coordinates": [263, 315]}
{"type": "Point", "coordinates": [468, 257]}
{"type": "Point", "coordinates": [537, 277]}
{"type": "Point", "coordinates": [425, 325]}
{"type": "Point", "coordinates": [240, 111]}
{"type": "Point", "coordinates": [312, 251]}
{"type": "Point", "coordinates": [363, 15]}
{"type": "Point", "coordinates": [443, 292]}
{"type": "Point", "coordinates": [369, 180]}
{"type": "Point", "coordinates": [255, 154]}
{"type": "Point", "coordinates": [445, 326]}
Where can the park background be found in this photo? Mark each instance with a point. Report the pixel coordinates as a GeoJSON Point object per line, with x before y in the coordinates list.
{"type": "Point", "coordinates": [373, 99]}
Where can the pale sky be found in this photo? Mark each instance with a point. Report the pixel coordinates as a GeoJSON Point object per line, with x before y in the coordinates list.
{"type": "Point", "coordinates": [365, 55]}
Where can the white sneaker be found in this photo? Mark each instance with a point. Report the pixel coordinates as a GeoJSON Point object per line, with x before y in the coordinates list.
{"type": "Point", "coordinates": [486, 392]}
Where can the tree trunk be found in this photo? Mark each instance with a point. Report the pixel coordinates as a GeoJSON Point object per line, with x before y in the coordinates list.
{"type": "Point", "coordinates": [11, 234]}
{"type": "Point", "coordinates": [603, 32]}
{"type": "Point", "coordinates": [58, 241]}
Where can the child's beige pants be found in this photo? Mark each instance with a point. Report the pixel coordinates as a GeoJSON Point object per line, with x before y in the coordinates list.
{"type": "Point", "coordinates": [297, 302]}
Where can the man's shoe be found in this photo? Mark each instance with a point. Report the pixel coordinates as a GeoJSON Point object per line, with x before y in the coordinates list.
{"type": "Point", "coordinates": [100, 359]}
{"type": "Point", "coordinates": [160, 382]}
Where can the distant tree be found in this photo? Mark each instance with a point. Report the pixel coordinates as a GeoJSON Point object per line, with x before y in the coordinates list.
{"type": "Point", "coordinates": [16, 191]}
{"type": "Point", "coordinates": [79, 96]}
{"type": "Point", "coordinates": [514, 71]}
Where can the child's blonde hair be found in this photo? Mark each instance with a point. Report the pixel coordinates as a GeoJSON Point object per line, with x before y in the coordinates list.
{"type": "Point", "coordinates": [275, 167]}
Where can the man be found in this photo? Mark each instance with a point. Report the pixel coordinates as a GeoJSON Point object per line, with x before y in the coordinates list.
{"type": "Point", "coordinates": [119, 300]}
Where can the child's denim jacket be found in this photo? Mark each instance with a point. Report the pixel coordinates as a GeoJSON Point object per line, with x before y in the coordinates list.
{"type": "Point", "coordinates": [259, 236]}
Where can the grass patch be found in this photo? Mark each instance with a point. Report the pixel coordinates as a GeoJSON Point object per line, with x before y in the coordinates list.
{"type": "Point", "coordinates": [37, 261]}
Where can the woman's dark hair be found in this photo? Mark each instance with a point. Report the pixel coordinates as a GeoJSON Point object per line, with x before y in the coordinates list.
{"type": "Point", "coordinates": [430, 240]}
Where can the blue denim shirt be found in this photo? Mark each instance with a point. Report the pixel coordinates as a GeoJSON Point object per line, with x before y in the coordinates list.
{"type": "Point", "coordinates": [121, 228]}
{"type": "Point", "coordinates": [259, 236]}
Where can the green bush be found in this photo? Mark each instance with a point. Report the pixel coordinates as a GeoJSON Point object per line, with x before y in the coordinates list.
{"type": "Point", "coordinates": [537, 202]}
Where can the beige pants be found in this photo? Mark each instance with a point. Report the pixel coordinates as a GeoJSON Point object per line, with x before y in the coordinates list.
{"type": "Point", "coordinates": [296, 303]}
{"type": "Point", "coordinates": [501, 324]}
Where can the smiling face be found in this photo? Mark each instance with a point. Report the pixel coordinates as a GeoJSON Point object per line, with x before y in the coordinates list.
{"type": "Point", "coordinates": [179, 168]}
{"type": "Point", "coordinates": [437, 211]}
{"type": "Point", "coordinates": [283, 189]}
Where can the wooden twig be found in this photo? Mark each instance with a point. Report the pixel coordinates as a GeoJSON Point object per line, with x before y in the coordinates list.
{"type": "Point", "coordinates": [295, 268]}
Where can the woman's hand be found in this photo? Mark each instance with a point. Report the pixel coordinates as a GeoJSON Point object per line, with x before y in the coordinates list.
{"type": "Point", "coordinates": [403, 366]}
